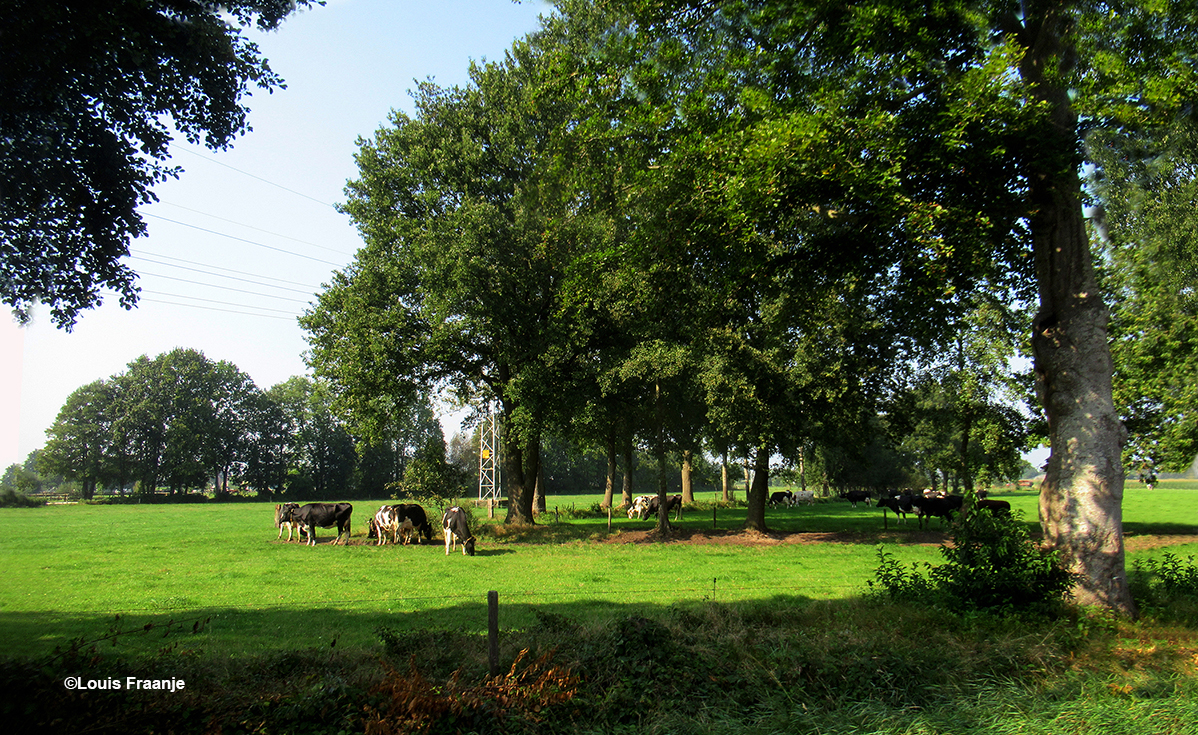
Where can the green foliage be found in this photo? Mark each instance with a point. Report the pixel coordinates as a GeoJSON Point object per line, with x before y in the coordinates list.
{"type": "Point", "coordinates": [991, 563]}
{"type": "Point", "coordinates": [894, 581]}
{"type": "Point", "coordinates": [88, 95]}
{"type": "Point", "coordinates": [1168, 586]}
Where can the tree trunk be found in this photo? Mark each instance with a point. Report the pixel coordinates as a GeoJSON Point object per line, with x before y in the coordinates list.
{"type": "Point", "coordinates": [688, 492]}
{"type": "Point", "coordinates": [609, 489]}
{"type": "Point", "coordinates": [759, 491]}
{"type": "Point", "coordinates": [1082, 493]}
{"type": "Point", "coordinates": [627, 488]}
{"type": "Point", "coordinates": [724, 477]}
{"type": "Point", "coordinates": [520, 465]}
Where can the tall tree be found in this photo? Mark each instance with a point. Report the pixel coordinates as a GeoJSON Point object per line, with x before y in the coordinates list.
{"type": "Point", "coordinates": [89, 95]}
{"type": "Point", "coordinates": [80, 443]}
{"type": "Point", "coordinates": [960, 144]}
{"type": "Point", "coordinates": [460, 283]}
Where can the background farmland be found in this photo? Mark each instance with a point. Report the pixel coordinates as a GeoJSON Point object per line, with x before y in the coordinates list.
{"type": "Point", "coordinates": [71, 569]}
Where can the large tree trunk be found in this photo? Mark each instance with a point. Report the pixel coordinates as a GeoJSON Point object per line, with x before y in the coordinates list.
{"type": "Point", "coordinates": [759, 491]}
{"type": "Point", "coordinates": [521, 463]}
{"type": "Point", "coordinates": [1082, 493]}
{"type": "Point", "coordinates": [609, 489]}
{"type": "Point", "coordinates": [688, 491]}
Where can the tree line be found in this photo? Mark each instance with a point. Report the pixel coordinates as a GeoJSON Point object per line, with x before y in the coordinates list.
{"type": "Point", "coordinates": [180, 422]}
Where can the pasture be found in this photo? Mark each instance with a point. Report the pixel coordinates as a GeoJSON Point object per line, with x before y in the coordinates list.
{"type": "Point", "coordinates": [71, 568]}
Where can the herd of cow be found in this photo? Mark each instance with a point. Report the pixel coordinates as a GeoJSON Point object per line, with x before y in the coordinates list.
{"type": "Point", "coordinates": [391, 521]}
{"type": "Point", "coordinates": [925, 505]}
{"type": "Point", "coordinates": [408, 521]}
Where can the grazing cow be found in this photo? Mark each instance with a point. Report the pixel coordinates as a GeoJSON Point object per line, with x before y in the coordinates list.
{"type": "Point", "coordinates": [784, 497]}
{"type": "Point", "coordinates": [639, 506]}
{"type": "Point", "coordinates": [324, 515]}
{"type": "Point", "coordinates": [672, 503]}
{"type": "Point", "coordinates": [457, 529]}
{"type": "Point", "coordinates": [387, 523]}
{"type": "Point", "coordinates": [935, 506]}
{"type": "Point", "coordinates": [900, 504]}
{"type": "Point", "coordinates": [282, 511]}
{"type": "Point", "coordinates": [803, 496]}
{"type": "Point", "coordinates": [414, 516]}
{"type": "Point", "coordinates": [996, 507]}
{"type": "Point", "coordinates": [856, 496]}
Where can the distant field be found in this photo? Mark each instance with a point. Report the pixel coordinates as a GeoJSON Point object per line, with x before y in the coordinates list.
{"type": "Point", "coordinates": [71, 568]}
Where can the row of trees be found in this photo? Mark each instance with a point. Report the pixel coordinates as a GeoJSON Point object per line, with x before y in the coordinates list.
{"type": "Point", "coordinates": [761, 225]}
{"type": "Point", "coordinates": [181, 422]}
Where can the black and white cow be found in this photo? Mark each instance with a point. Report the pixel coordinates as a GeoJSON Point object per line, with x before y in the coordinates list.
{"type": "Point", "coordinates": [457, 528]}
{"type": "Point", "coordinates": [856, 496]}
{"type": "Point", "coordinates": [639, 505]}
{"type": "Point", "coordinates": [803, 496]}
{"type": "Point", "coordinates": [386, 524]}
{"type": "Point", "coordinates": [672, 503]}
{"type": "Point", "coordinates": [325, 515]}
{"type": "Point", "coordinates": [900, 504]}
{"type": "Point", "coordinates": [996, 507]}
{"type": "Point", "coordinates": [282, 511]}
{"type": "Point", "coordinates": [415, 516]}
{"type": "Point", "coordinates": [944, 508]}
{"type": "Point", "coordinates": [783, 497]}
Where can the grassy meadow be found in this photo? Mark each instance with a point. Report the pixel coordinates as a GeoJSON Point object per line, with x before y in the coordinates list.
{"type": "Point", "coordinates": [602, 631]}
{"type": "Point", "coordinates": [72, 568]}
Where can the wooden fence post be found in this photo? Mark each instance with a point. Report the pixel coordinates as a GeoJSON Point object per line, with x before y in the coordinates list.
{"type": "Point", "coordinates": [493, 631]}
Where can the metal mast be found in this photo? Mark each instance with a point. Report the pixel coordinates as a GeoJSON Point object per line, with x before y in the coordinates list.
{"type": "Point", "coordinates": [488, 457]}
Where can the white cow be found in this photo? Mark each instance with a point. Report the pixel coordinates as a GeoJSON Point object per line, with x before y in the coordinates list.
{"type": "Point", "coordinates": [803, 496]}
{"type": "Point", "coordinates": [387, 523]}
{"type": "Point", "coordinates": [639, 507]}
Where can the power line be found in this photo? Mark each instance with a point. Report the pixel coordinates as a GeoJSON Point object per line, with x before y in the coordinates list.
{"type": "Point", "coordinates": [211, 308]}
{"type": "Point", "coordinates": [222, 303]}
{"type": "Point", "coordinates": [252, 227]}
{"type": "Point", "coordinates": [219, 275]}
{"type": "Point", "coordinates": [252, 176]}
{"type": "Point", "coordinates": [226, 288]}
{"type": "Point", "coordinates": [241, 239]}
{"type": "Point", "coordinates": [144, 253]}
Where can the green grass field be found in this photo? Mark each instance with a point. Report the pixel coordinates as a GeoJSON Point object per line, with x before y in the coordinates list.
{"type": "Point", "coordinates": [71, 568]}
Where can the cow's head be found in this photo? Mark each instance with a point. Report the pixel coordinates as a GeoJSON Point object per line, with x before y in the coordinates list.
{"type": "Point", "coordinates": [468, 544]}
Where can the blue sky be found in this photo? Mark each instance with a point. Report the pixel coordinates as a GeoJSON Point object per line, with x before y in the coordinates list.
{"type": "Point", "coordinates": [241, 243]}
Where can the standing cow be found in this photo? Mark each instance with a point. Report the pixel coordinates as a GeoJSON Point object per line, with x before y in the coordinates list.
{"type": "Point", "coordinates": [324, 515]}
{"type": "Point", "coordinates": [284, 512]}
{"type": "Point", "coordinates": [457, 528]}
{"type": "Point", "coordinates": [415, 516]}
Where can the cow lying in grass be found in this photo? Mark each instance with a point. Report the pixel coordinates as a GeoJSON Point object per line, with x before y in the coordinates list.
{"type": "Point", "coordinates": [457, 528]}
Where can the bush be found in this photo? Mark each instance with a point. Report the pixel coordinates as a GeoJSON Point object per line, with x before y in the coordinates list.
{"type": "Point", "coordinates": [992, 563]}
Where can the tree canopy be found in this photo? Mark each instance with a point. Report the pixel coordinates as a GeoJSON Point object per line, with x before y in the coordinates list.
{"type": "Point", "coordinates": [88, 96]}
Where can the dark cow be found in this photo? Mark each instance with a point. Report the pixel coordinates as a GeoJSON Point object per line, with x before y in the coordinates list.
{"type": "Point", "coordinates": [785, 497]}
{"type": "Point", "coordinates": [457, 528]}
{"type": "Point", "coordinates": [996, 507]}
{"type": "Point", "coordinates": [933, 506]}
{"type": "Point", "coordinates": [672, 503]}
{"type": "Point", "coordinates": [325, 515]}
{"type": "Point", "coordinates": [856, 496]}
{"type": "Point", "coordinates": [900, 504]}
{"type": "Point", "coordinates": [419, 520]}
{"type": "Point", "coordinates": [282, 511]}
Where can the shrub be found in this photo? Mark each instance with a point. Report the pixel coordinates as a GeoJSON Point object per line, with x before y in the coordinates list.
{"type": "Point", "coordinates": [991, 563]}
{"type": "Point", "coordinates": [994, 563]}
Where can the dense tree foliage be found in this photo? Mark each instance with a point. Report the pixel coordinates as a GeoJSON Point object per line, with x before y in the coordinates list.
{"type": "Point", "coordinates": [90, 95]}
{"type": "Point", "coordinates": [180, 422]}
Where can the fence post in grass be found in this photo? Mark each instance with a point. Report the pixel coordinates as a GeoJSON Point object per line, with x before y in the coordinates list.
{"type": "Point", "coordinates": [713, 511]}
{"type": "Point", "coordinates": [609, 518]}
{"type": "Point", "coordinates": [884, 523]}
{"type": "Point", "coordinates": [493, 631]}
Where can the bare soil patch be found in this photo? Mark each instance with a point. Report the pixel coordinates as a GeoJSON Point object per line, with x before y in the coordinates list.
{"type": "Point", "coordinates": [742, 537]}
